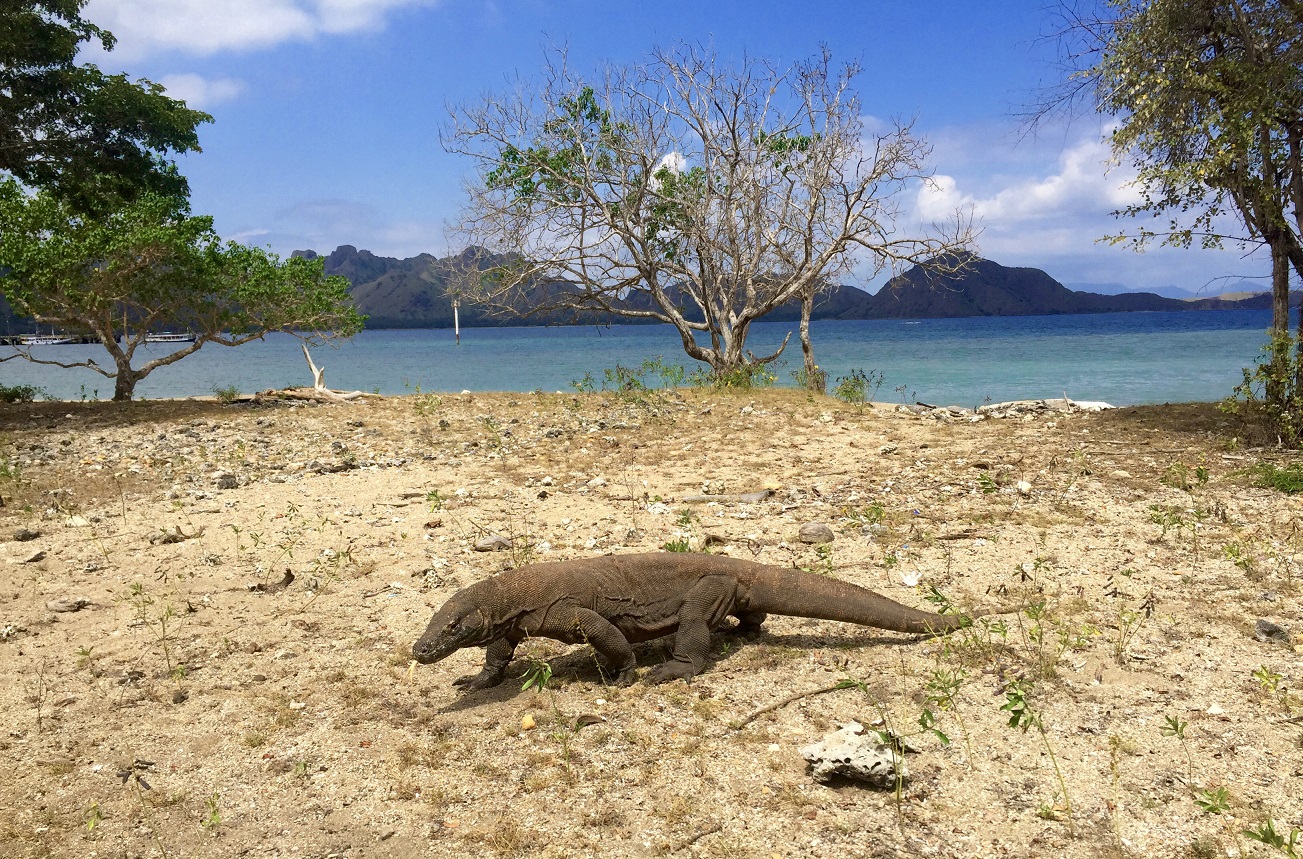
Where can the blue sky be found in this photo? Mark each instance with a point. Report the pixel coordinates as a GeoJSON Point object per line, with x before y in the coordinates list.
{"type": "Point", "coordinates": [327, 112]}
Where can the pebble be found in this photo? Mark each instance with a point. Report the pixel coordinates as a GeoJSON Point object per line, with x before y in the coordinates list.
{"type": "Point", "coordinates": [494, 543]}
{"type": "Point", "coordinates": [65, 604]}
{"type": "Point", "coordinates": [23, 535]}
{"type": "Point", "coordinates": [815, 532]}
{"type": "Point", "coordinates": [1266, 631]}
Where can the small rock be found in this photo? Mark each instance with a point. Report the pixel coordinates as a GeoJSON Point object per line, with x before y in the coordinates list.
{"type": "Point", "coordinates": [65, 604]}
{"type": "Point", "coordinates": [855, 753]}
{"type": "Point", "coordinates": [1120, 474]}
{"type": "Point", "coordinates": [494, 543]}
{"type": "Point", "coordinates": [815, 532]}
{"type": "Point", "coordinates": [180, 696]}
{"type": "Point", "coordinates": [596, 482]}
{"type": "Point", "coordinates": [77, 522]}
{"type": "Point", "coordinates": [38, 555]}
{"type": "Point", "coordinates": [887, 449]}
{"type": "Point", "coordinates": [226, 480]}
{"type": "Point", "coordinates": [23, 535]}
{"type": "Point", "coordinates": [1265, 630]}
{"type": "Point", "coordinates": [1024, 488]}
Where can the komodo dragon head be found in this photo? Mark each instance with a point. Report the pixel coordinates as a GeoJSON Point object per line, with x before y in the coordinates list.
{"type": "Point", "coordinates": [461, 622]}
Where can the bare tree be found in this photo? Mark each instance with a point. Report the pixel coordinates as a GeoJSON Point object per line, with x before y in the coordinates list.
{"type": "Point", "coordinates": [689, 192]}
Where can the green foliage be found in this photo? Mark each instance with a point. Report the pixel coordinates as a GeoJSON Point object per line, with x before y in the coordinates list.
{"type": "Point", "coordinates": [537, 675]}
{"type": "Point", "coordinates": [1207, 97]}
{"type": "Point", "coordinates": [1271, 393]}
{"type": "Point", "coordinates": [21, 393]}
{"type": "Point", "coordinates": [88, 137]}
{"type": "Point", "coordinates": [681, 545]}
{"type": "Point", "coordinates": [1287, 479]}
{"type": "Point", "coordinates": [1213, 800]}
{"type": "Point", "coordinates": [154, 264]}
{"type": "Point", "coordinates": [859, 387]}
{"type": "Point", "coordinates": [226, 394]}
{"type": "Point", "coordinates": [744, 377]}
{"type": "Point", "coordinates": [1266, 834]}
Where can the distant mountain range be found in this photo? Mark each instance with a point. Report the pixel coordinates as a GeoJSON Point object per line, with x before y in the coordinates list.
{"type": "Point", "coordinates": [412, 293]}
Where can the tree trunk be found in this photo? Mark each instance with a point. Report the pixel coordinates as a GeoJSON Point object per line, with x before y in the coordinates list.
{"type": "Point", "coordinates": [816, 380]}
{"type": "Point", "coordinates": [124, 383]}
{"type": "Point", "coordinates": [1277, 389]}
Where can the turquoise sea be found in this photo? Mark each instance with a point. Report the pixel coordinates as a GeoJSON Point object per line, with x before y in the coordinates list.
{"type": "Point", "coordinates": [1121, 358]}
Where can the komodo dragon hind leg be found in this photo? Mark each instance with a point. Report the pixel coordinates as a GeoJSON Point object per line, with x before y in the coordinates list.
{"type": "Point", "coordinates": [704, 608]}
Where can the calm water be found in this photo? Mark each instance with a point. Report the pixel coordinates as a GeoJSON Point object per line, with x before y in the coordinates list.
{"type": "Point", "coordinates": [1122, 358]}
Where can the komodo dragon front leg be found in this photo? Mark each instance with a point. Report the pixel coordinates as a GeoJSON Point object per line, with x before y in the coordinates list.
{"type": "Point", "coordinates": [569, 623]}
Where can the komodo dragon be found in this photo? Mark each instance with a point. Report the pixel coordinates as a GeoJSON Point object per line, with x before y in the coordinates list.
{"type": "Point", "coordinates": [611, 601]}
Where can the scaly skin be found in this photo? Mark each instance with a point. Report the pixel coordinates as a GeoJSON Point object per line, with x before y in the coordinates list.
{"type": "Point", "coordinates": [617, 600]}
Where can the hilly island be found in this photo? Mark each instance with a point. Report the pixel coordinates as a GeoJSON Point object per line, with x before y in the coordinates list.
{"type": "Point", "coordinates": [414, 293]}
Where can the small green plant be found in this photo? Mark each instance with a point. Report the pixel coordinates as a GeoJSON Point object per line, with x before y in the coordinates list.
{"type": "Point", "coordinates": [942, 687]}
{"type": "Point", "coordinates": [743, 378]}
{"type": "Point", "coordinates": [1241, 557]}
{"type": "Point", "coordinates": [1213, 800]}
{"type": "Point", "coordinates": [94, 816]}
{"type": "Point", "coordinates": [22, 393]}
{"type": "Point", "coordinates": [1287, 479]}
{"type": "Point", "coordinates": [863, 517]}
{"type": "Point", "coordinates": [435, 500]}
{"type": "Point", "coordinates": [212, 811]}
{"type": "Point", "coordinates": [1269, 682]}
{"type": "Point", "coordinates": [1173, 727]}
{"type": "Point", "coordinates": [1023, 715]}
{"type": "Point", "coordinates": [1266, 834]}
{"type": "Point", "coordinates": [1129, 623]}
{"type": "Point", "coordinates": [426, 405]}
{"type": "Point", "coordinates": [537, 675]}
{"type": "Point", "coordinates": [1166, 517]}
{"type": "Point", "coordinates": [859, 387]}
{"type": "Point", "coordinates": [680, 545]}
{"type": "Point", "coordinates": [987, 484]}
{"type": "Point", "coordinates": [226, 394]}
{"type": "Point", "coordinates": [586, 385]}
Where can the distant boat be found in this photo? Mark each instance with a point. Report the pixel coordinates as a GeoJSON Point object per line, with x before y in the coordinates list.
{"type": "Point", "coordinates": [171, 337]}
{"type": "Point", "coordinates": [47, 340]}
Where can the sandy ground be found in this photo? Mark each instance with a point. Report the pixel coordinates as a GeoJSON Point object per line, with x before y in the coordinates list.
{"type": "Point", "coordinates": [194, 707]}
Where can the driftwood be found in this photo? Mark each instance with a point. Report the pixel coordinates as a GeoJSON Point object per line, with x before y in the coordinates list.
{"type": "Point", "coordinates": [746, 498]}
{"type": "Point", "coordinates": [318, 392]}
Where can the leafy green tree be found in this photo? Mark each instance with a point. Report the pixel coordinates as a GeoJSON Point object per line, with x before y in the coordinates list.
{"type": "Point", "coordinates": [1208, 98]}
{"type": "Point", "coordinates": [689, 192]}
{"type": "Point", "coordinates": [150, 263]}
{"type": "Point", "coordinates": [85, 135]}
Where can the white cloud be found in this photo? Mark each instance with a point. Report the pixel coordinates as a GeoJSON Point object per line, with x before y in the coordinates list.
{"type": "Point", "coordinates": [1084, 184]}
{"type": "Point", "coordinates": [1047, 202]}
{"type": "Point", "coordinates": [199, 92]}
{"type": "Point", "coordinates": [204, 27]}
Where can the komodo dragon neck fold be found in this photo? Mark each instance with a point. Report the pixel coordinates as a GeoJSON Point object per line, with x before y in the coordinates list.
{"type": "Point", "coordinates": [613, 601]}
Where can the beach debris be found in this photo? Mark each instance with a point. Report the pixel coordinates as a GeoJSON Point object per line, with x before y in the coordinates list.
{"type": "Point", "coordinates": [1266, 631]}
{"type": "Point", "coordinates": [68, 604]}
{"type": "Point", "coordinates": [493, 543]}
{"type": "Point", "coordinates": [264, 588]}
{"type": "Point", "coordinates": [1024, 409]}
{"type": "Point", "coordinates": [856, 753]}
{"type": "Point", "coordinates": [318, 392]}
{"type": "Point", "coordinates": [815, 532]}
{"type": "Point", "coordinates": [744, 498]}
{"type": "Point", "coordinates": [165, 537]}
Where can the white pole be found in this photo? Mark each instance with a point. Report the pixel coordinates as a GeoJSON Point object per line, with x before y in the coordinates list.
{"type": "Point", "coordinates": [456, 322]}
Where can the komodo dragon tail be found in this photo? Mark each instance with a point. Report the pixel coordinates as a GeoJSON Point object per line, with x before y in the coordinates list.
{"type": "Point", "coordinates": [775, 590]}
